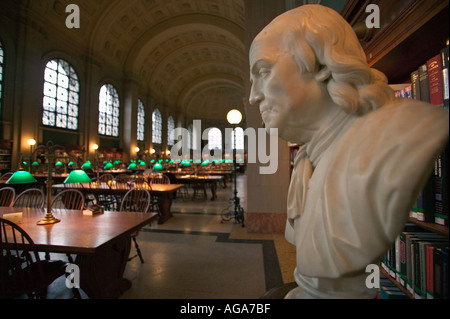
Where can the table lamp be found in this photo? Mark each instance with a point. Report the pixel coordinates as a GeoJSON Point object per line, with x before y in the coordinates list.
{"type": "Point", "coordinates": [109, 166]}
{"type": "Point", "coordinates": [86, 166]}
{"type": "Point", "coordinates": [77, 176]}
{"type": "Point", "coordinates": [21, 177]}
{"type": "Point", "coordinates": [132, 166]}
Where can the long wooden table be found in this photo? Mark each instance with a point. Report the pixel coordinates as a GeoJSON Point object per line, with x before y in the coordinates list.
{"type": "Point", "coordinates": [164, 192]}
{"type": "Point", "coordinates": [102, 243]}
{"type": "Point", "coordinates": [210, 180]}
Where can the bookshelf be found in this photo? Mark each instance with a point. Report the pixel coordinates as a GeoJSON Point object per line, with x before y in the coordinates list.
{"type": "Point", "coordinates": [411, 33]}
{"type": "Point", "coordinates": [5, 156]}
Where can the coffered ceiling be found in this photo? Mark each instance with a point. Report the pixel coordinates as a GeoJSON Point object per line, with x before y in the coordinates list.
{"type": "Point", "coordinates": [189, 54]}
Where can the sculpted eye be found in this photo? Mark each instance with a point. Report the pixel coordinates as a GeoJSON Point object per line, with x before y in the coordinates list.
{"type": "Point", "coordinates": [264, 72]}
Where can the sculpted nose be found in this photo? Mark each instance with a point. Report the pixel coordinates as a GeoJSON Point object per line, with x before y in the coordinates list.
{"type": "Point", "coordinates": [256, 96]}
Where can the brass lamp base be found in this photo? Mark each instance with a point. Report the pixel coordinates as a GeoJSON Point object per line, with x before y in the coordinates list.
{"type": "Point", "coordinates": [48, 219]}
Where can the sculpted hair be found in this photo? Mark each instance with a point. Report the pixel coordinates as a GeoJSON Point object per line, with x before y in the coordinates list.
{"type": "Point", "coordinates": [319, 39]}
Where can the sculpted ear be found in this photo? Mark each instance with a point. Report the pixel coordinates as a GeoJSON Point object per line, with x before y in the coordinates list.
{"type": "Point", "coordinates": [323, 74]}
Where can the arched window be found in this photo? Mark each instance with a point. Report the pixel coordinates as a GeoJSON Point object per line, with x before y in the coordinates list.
{"type": "Point", "coordinates": [1, 76]}
{"type": "Point", "coordinates": [61, 95]}
{"type": "Point", "coordinates": [108, 111]}
{"type": "Point", "coordinates": [157, 127]}
{"type": "Point", "coordinates": [239, 138]}
{"type": "Point", "coordinates": [140, 121]}
{"type": "Point", "coordinates": [170, 133]}
{"type": "Point", "coordinates": [214, 138]}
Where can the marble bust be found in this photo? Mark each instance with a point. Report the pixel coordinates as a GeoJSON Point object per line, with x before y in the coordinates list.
{"type": "Point", "coordinates": [365, 156]}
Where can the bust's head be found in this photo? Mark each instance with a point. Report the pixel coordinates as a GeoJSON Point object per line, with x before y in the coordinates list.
{"type": "Point", "coordinates": [311, 56]}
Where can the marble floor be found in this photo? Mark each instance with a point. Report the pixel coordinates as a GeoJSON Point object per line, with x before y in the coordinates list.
{"type": "Point", "coordinates": [194, 255]}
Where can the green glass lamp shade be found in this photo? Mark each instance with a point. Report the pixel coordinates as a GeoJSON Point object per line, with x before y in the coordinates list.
{"type": "Point", "coordinates": [86, 166]}
{"type": "Point", "coordinates": [141, 163]}
{"type": "Point", "coordinates": [35, 164]}
{"type": "Point", "coordinates": [58, 164]}
{"type": "Point", "coordinates": [21, 177]}
{"type": "Point", "coordinates": [117, 162]}
{"type": "Point", "coordinates": [77, 176]}
{"type": "Point", "coordinates": [158, 167]}
{"type": "Point", "coordinates": [132, 166]}
{"type": "Point", "coordinates": [109, 166]}
{"type": "Point", "coordinates": [205, 163]}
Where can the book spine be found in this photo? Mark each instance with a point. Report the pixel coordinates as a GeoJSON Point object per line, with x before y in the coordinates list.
{"type": "Point", "coordinates": [434, 70]}
{"type": "Point", "coordinates": [445, 85]}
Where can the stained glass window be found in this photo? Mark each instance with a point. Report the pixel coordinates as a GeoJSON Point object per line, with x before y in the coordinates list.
{"type": "Point", "coordinates": [157, 127]}
{"type": "Point", "coordinates": [61, 95]}
{"type": "Point", "coordinates": [170, 132]}
{"type": "Point", "coordinates": [108, 111]}
{"type": "Point", "coordinates": [140, 121]}
{"type": "Point", "coordinates": [214, 138]}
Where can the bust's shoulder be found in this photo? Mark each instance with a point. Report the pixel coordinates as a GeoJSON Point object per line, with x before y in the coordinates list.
{"type": "Point", "coordinates": [402, 115]}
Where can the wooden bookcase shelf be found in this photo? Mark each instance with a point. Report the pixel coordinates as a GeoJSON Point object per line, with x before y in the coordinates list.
{"type": "Point", "coordinates": [410, 33]}
{"type": "Point", "coordinates": [439, 229]}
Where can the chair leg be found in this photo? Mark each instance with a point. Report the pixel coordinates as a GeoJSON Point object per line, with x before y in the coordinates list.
{"type": "Point", "coordinates": [138, 250]}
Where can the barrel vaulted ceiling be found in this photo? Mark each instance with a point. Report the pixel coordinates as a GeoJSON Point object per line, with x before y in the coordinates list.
{"type": "Point", "coordinates": [189, 54]}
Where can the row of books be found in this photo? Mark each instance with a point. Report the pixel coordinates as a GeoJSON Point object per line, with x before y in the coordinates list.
{"type": "Point", "coordinates": [418, 261]}
{"type": "Point", "coordinates": [390, 291]}
{"type": "Point", "coordinates": [429, 83]}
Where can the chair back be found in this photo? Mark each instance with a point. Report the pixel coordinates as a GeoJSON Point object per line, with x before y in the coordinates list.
{"type": "Point", "coordinates": [123, 178]}
{"type": "Point", "coordinates": [32, 197]}
{"type": "Point", "coordinates": [160, 179]}
{"type": "Point", "coordinates": [137, 199]}
{"type": "Point", "coordinates": [69, 199]}
{"type": "Point", "coordinates": [18, 254]}
{"type": "Point", "coordinates": [105, 178]}
{"type": "Point", "coordinates": [6, 176]}
{"type": "Point", "coordinates": [172, 177]}
{"type": "Point", "coordinates": [122, 181]}
{"type": "Point", "coordinates": [7, 196]}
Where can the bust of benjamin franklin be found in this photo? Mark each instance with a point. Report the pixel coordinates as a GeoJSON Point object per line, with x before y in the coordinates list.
{"type": "Point", "coordinates": [365, 156]}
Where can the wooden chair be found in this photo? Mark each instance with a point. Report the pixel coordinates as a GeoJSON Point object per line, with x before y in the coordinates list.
{"type": "Point", "coordinates": [199, 190]}
{"type": "Point", "coordinates": [107, 201]}
{"type": "Point", "coordinates": [105, 178]}
{"type": "Point", "coordinates": [7, 196]}
{"type": "Point", "coordinates": [123, 178]}
{"type": "Point", "coordinates": [160, 179]}
{"type": "Point", "coordinates": [69, 199]}
{"type": "Point", "coordinates": [21, 269]}
{"type": "Point", "coordinates": [32, 197]}
{"type": "Point", "coordinates": [137, 199]}
{"type": "Point", "coordinates": [6, 176]}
